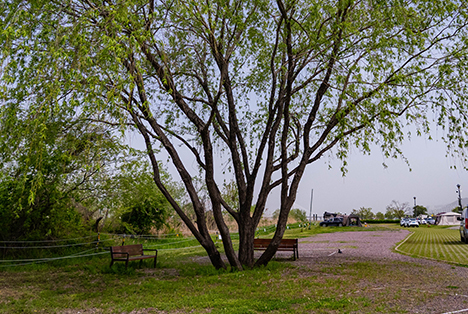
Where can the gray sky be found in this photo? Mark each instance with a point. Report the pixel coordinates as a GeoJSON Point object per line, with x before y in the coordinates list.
{"type": "Point", "coordinates": [369, 184]}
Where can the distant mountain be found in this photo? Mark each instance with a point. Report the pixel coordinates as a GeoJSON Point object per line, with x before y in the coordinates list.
{"type": "Point", "coordinates": [448, 207]}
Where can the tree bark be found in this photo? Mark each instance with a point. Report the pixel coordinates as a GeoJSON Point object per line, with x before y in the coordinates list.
{"type": "Point", "coordinates": [246, 237]}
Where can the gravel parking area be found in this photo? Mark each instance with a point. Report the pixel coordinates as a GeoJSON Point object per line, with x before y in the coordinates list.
{"type": "Point", "coordinates": [406, 284]}
{"type": "Point", "coordinates": [357, 244]}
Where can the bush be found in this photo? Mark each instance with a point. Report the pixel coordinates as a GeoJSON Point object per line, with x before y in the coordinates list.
{"type": "Point", "coordinates": [142, 217]}
{"type": "Point", "coordinates": [49, 215]}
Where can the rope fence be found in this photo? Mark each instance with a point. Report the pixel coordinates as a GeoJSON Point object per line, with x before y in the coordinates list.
{"type": "Point", "coordinates": [54, 246]}
{"type": "Point", "coordinates": [115, 238]}
{"type": "Point", "coordinates": [50, 241]}
{"type": "Point", "coordinates": [44, 260]}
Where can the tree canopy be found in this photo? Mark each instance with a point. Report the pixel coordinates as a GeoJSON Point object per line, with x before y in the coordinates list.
{"type": "Point", "coordinates": [363, 213]}
{"type": "Point", "coordinates": [419, 210]}
{"type": "Point", "coordinates": [397, 210]}
{"type": "Point", "coordinates": [258, 89]}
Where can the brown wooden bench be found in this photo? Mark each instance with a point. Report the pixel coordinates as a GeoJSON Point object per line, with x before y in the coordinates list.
{"type": "Point", "coordinates": [134, 252]}
{"type": "Point", "coordinates": [285, 245]}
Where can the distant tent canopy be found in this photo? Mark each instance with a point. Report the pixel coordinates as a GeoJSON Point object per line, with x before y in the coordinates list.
{"type": "Point", "coordinates": [447, 219]}
{"type": "Point", "coordinates": [352, 220]}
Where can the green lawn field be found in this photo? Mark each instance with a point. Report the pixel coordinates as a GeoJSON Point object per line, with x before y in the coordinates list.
{"type": "Point", "coordinates": [183, 283]}
{"type": "Point", "coordinates": [435, 242]}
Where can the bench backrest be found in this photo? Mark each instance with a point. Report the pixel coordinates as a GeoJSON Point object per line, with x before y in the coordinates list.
{"type": "Point", "coordinates": [132, 250]}
{"type": "Point", "coordinates": [285, 243]}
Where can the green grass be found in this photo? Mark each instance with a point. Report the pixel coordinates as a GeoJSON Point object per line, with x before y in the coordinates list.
{"type": "Point", "coordinates": [436, 242]}
{"type": "Point", "coordinates": [185, 282]}
{"type": "Point", "coordinates": [194, 289]}
{"type": "Point", "coordinates": [189, 287]}
{"type": "Point", "coordinates": [302, 231]}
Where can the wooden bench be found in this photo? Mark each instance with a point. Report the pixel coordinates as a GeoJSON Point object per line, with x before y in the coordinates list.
{"type": "Point", "coordinates": [126, 253]}
{"type": "Point", "coordinates": [285, 245]}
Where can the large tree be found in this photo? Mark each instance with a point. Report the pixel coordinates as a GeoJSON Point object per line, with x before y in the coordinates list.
{"type": "Point", "coordinates": [364, 212]}
{"type": "Point", "coordinates": [397, 210]}
{"type": "Point", "coordinates": [419, 210]}
{"type": "Point", "coordinates": [75, 157]}
{"type": "Point", "coordinates": [257, 88]}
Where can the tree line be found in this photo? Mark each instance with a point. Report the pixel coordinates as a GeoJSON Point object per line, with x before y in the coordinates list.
{"type": "Point", "coordinates": [395, 210]}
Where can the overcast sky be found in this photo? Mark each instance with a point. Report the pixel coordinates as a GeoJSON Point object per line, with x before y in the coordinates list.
{"type": "Point", "coordinates": [369, 184]}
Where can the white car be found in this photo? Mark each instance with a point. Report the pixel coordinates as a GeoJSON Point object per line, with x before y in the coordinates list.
{"type": "Point", "coordinates": [412, 222]}
{"type": "Point", "coordinates": [403, 222]}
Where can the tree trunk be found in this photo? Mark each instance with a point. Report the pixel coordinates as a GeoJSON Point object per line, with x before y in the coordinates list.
{"type": "Point", "coordinates": [214, 255]}
{"type": "Point", "coordinates": [226, 237]}
{"type": "Point", "coordinates": [246, 237]}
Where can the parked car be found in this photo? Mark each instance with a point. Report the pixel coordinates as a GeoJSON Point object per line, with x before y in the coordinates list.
{"type": "Point", "coordinates": [412, 222]}
{"type": "Point", "coordinates": [430, 221]}
{"type": "Point", "coordinates": [423, 221]}
{"type": "Point", "coordinates": [464, 226]}
{"type": "Point", "coordinates": [403, 222]}
{"type": "Point", "coordinates": [336, 221]}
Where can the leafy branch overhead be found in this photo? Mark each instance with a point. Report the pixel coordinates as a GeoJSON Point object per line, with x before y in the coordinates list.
{"type": "Point", "coordinates": [262, 87]}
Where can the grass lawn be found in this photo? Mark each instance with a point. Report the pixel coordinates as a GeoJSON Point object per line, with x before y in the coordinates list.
{"type": "Point", "coordinates": [183, 284]}
{"type": "Point", "coordinates": [436, 242]}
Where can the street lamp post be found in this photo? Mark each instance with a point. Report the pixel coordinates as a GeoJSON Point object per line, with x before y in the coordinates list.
{"type": "Point", "coordinates": [459, 198]}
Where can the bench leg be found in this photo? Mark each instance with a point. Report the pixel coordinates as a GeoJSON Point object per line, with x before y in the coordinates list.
{"type": "Point", "coordinates": [112, 263]}
{"type": "Point", "coordinates": [126, 264]}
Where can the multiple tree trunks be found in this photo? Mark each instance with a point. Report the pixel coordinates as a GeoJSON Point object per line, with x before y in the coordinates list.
{"type": "Point", "coordinates": [285, 245]}
{"type": "Point", "coordinates": [134, 252]}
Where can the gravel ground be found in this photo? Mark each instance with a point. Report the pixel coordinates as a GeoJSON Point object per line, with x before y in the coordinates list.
{"type": "Point", "coordinates": [418, 286]}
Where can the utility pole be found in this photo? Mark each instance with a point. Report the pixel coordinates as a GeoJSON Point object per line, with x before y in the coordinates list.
{"type": "Point", "coordinates": [311, 198]}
